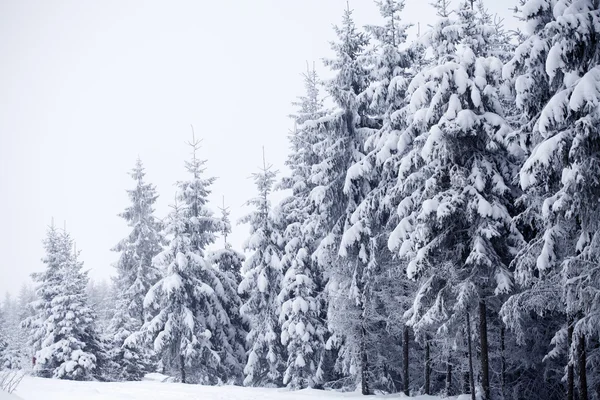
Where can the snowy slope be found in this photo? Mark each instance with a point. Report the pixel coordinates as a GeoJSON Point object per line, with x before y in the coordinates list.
{"type": "Point", "coordinates": [52, 389]}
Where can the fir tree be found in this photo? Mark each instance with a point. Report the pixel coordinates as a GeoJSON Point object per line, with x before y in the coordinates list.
{"type": "Point", "coordinates": [340, 145]}
{"type": "Point", "coordinates": [192, 327]}
{"type": "Point", "coordinates": [374, 218]}
{"type": "Point", "coordinates": [302, 313]}
{"type": "Point", "coordinates": [64, 334]}
{"type": "Point", "coordinates": [261, 285]}
{"type": "Point", "coordinates": [556, 76]}
{"type": "Point", "coordinates": [135, 276]}
{"type": "Point", "coordinates": [455, 227]}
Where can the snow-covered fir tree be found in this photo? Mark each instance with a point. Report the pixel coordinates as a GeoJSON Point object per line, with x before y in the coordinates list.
{"type": "Point", "coordinates": [556, 73]}
{"type": "Point", "coordinates": [261, 285]}
{"type": "Point", "coordinates": [340, 145]}
{"type": "Point", "coordinates": [370, 223]}
{"type": "Point", "coordinates": [135, 276]}
{"type": "Point", "coordinates": [455, 227]}
{"type": "Point", "coordinates": [191, 327]}
{"type": "Point", "coordinates": [302, 313]}
{"type": "Point", "coordinates": [63, 332]}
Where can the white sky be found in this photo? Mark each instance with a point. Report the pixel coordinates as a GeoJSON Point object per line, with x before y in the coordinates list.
{"type": "Point", "coordinates": [87, 86]}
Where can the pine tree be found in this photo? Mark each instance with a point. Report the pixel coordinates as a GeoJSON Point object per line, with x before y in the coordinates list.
{"type": "Point", "coordinates": [64, 336]}
{"type": "Point", "coordinates": [369, 224]}
{"type": "Point", "coordinates": [302, 313]}
{"type": "Point", "coordinates": [228, 264]}
{"type": "Point", "coordinates": [191, 327]}
{"type": "Point", "coordinates": [135, 276]}
{"type": "Point", "coordinates": [261, 285]}
{"type": "Point", "coordinates": [556, 76]}
{"type": "Point", "coordinates": [340, 145]}
{"type": "Point", "coordinates": [48, 287]}
{"type": "Point", "coordinates": [455, 227]}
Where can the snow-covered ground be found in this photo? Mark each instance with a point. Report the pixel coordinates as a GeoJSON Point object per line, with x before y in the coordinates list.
{"type": "Point", "coordinates": [53, 389]}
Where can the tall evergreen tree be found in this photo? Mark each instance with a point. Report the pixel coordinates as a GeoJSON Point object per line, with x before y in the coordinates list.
{"type": "Point", "coordinates": [191, 327]}
{"type": "Point", "coordinates": [340, 145]}
{"type": "Point", "coordinates": [261, 285]}
{"type": "Point", "coordinates": [556, 72]}
{"type": "Point", "coordinates": [370, 224]}
{"type": "Point", "coordinates": [135, 276]}
{"type": "Point", "coordinates": [455, 225]}
{"type": "Point", "coordinates": [302, 313]}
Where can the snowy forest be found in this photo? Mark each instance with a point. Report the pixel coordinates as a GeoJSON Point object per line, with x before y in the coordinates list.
{"type": "Point", "coordinates": [438, 232]}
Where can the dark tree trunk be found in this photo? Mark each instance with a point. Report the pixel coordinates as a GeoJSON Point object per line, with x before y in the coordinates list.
{"type": "Point", "coordinates": [583, 392]}
{"type": "Point", "coordinates": [466, 384]}
{"type": "Point", "coordinates": [405, 361]}
{"type": "Point", "coordinates": [427, 367]}
{"type": "Point", "coordinates": [570, 372]}
{"type": "Point", "coordinates": [470, 347]}
{"type": "Point", "coordinates": [485, 365]}
{"type": "Point", "coordinates": [366, 390]}
{"type": "Point", "coordinates": [502, 362]}
{"type": "Point", "coordinates": [448, 377]}
{"type": "Point", "coordinates": [182, 367]}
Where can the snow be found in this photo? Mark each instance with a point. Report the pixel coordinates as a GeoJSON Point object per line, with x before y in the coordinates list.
{"type": "Point", "coordinates": [54, 389]}
{"type": "Point", "coordinates": [7, 396]}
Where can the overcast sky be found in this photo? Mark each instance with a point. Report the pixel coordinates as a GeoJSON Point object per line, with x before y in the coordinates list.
{"type": "Point", "coordinates": [87, 86]}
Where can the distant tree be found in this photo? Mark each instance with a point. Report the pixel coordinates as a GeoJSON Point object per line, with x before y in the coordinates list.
{"type": "Point", "coordinates": [63, 332]}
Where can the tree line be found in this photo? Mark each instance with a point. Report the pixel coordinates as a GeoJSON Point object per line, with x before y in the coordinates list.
{"type": "Point", "coordinates": [439, 232]}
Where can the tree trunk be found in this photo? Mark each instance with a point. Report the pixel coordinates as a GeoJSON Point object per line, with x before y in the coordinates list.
{"type": "Point", "coordinates": [182, 367]}
{"type": "Point", "coordinates": [427, 367]}
{"type": "Point", "coordinates": [485, 365]}
{"type": "Point", "coordinates": [448, 377]}
{"type": "Point", "coordinates": [502, 362]}
{"type": "Point", "coordinates": [583, 393]}
{"type": "Point", "coordinates": [405, 361]}
{"type": "Point", "coordinates": [471, 375]}
{"type": "Point", "coordinates": [570, 374]}
{"type": "Point", "coordinates": [364, 364]}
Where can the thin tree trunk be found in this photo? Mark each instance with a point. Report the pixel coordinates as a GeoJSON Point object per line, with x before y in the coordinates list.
{"type": "Point", "coordinates": [570, 372]}
{"type": "Point", "coordinates": [182, 366]}
{"type": "Point", "coordinates": [448, 377]}
{"type": "Point", "coordinates": [471, 375]}
{"type": "Point", "coordinates": [583, 392]}
{"type": "Point", "coordinates": [465, 381]}
{"type": "Point", "coordinates": [405, 361]}
{"type": "Point", "coordinates": [485, 366]}
{"type": "Point", "coordinates": [365, 364]}
{"type": "Point", "coordinates": [427, 366]}
{"type": "Point", "coordinates": [502, 362]}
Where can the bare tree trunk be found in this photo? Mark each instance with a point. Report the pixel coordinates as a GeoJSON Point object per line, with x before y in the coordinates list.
{"type": "Point", "coordinates": [583, 392]}
{"type": "Point", "coordinates": [427, 367]}
{"type": "Point", "coordinates": [485, 365]}
{"type": "Point", "coordinates": [405, 361]}
{"type": "Point", "coordinates": [471, 375]}
{"type": "Point", "coordinates": [365, 364]}
{"type": "Point", "coordinates": [182, 367]}
{"type": "Point", "coordinates": [570, 372]}
{"type": "Point", "coordinates": [448, 377]}
{"type": "Point", "coordinates": [502, 362]}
